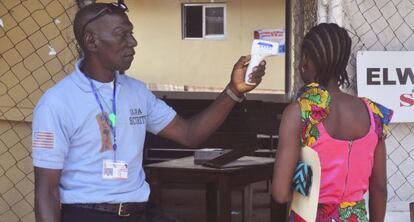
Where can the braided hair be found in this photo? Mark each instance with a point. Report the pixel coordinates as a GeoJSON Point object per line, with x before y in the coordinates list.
{"type": "Point", "coordinates": [329, 48]}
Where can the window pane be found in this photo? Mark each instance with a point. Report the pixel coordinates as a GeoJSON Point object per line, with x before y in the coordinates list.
{"type": "Point", "coordinates": [193, 21]}
{"type": "Point", "coordinates": [215, 21]}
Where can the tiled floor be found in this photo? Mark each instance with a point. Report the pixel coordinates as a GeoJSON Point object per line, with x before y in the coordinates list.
{"type": "Point", "coordinates": [398, 211]}
{"type": "Point", "coordinates": [397, 217]}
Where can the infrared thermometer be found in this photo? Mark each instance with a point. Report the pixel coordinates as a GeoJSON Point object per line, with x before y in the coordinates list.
{"type": "Point", "coordinates": [260, 50]}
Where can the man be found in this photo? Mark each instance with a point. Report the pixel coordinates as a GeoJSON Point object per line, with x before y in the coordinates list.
{"type": "Point", "coordinates": [89, 129]}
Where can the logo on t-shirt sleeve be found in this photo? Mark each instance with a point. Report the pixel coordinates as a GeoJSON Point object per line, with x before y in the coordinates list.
{"type": "Point", "coordinates": [43, 140]}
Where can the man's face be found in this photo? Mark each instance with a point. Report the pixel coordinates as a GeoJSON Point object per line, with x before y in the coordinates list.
{"type": "Point", "coordinates": [115, 41]}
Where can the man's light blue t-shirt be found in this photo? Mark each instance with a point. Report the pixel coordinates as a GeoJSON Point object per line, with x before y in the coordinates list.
{"type": "Point", "coordinates": [66, 136]}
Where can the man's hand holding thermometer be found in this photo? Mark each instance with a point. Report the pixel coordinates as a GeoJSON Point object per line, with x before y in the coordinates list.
{"type": "Point", "coordinates": [249, 70]}
{"type": "Point", "coordinates": [260, 50]}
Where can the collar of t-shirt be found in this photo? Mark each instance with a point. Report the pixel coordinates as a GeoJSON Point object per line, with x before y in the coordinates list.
{"type": "Point", "coordinates": [82, 81]}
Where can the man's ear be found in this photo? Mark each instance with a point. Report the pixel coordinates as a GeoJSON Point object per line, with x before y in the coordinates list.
{"type": "Point", "coordinates": [90, 42]}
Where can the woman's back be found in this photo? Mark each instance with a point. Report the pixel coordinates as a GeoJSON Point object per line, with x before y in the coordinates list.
{"type": "Point", "coordinates": [346, 132]}
{"type": "Point", "coordinates": [348, 118]}
{"type": "Point", "coordinates": [345, 144]}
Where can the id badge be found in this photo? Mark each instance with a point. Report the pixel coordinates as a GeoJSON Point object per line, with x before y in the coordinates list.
{"type": "Point", "coordinates": [114, 170]}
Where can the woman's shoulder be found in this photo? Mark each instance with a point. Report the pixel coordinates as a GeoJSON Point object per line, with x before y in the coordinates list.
{"type": "Point", "coordinates": [314, 101]}
{"type": "Point", "coordinates": [291, 111]}
{"type": "Point", "coordinates": [382, 117]}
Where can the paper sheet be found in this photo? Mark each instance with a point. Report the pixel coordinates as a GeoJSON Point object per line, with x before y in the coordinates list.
{"type": "Point", "coordinates": [306, 207]}
{"type": "Point", "coordinates": [52, 51]}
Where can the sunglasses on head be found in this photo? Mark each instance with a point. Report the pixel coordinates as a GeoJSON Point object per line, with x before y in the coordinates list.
{"type": "Point", "coordinates": [109, 8]}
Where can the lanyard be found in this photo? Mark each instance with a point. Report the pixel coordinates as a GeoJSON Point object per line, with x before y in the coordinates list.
{"type": "Point", "coordinates": [111, 118]}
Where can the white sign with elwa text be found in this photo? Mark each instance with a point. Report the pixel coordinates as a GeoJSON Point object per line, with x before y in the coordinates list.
{"type": "Point", "coordinates": [387, 77]}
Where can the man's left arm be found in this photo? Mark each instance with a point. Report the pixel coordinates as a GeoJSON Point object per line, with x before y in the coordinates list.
{"type": "Point", "coordinates": [193, 131]}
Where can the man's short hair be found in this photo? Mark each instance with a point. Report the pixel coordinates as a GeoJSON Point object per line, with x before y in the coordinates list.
{"type": "Point", "coordinates": [89, 13]}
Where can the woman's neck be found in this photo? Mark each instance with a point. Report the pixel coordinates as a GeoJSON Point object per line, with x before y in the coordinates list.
{"type": "Point", "coordinates": [333, 87]}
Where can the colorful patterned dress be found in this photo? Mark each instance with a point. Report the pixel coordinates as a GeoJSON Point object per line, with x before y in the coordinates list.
{"type": "Point", "coordinates": [340, 199]}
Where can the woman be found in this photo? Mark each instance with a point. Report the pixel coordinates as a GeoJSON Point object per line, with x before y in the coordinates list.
{"type": "Point", "coordinates": [347, 132]}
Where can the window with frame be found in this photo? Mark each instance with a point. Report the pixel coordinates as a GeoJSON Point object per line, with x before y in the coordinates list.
{"type": "Point", "coordinates": [204, 21]}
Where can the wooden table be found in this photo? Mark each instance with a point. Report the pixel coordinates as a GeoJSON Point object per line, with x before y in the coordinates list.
{"type": "Point", "coordinates": [245, 171]}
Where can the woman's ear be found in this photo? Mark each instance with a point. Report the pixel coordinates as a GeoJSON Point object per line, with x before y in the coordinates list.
{"type": "Point", "coordinates": [308, 69]}
{"type": "Point", "coordinates": [305, 63]}
{"type": "Point", "coordinates": [90, 42]}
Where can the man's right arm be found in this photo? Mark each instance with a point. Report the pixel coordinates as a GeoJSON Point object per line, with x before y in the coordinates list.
{"type": "Point", "coordinates": [193, 131]}
{"type": "Point", "coordinates": [47, 199]}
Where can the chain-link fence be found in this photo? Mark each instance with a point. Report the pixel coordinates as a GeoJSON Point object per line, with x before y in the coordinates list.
{"type": "Point", "coordinates": [384, 25]}
{"type": "Point", "coordinates": [37, 49]}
